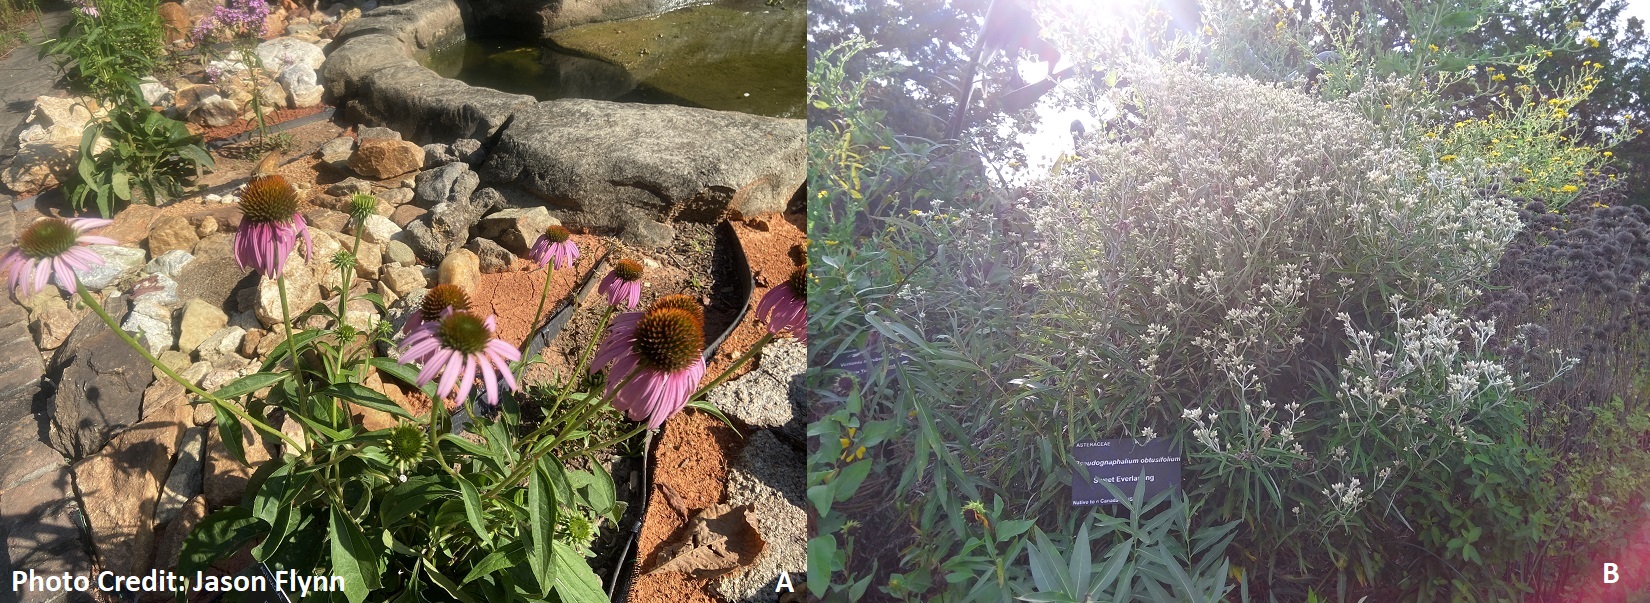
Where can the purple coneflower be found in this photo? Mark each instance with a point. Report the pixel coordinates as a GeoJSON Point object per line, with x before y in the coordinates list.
{"type": "Point", "coordinates": [458, 347]}
{"type": "Point", "coordinates": [785, 308]}
{"type": "Point", "coordinates": [271, 227]}
{"type": "Point", "coordinates": [52, 247]}
{"type": "Point", "coordinates": [658, 359]}
{"type": "Point", "coordinates": [623, 286]}
{"type": "Point", "coordinates": [437, 300]}
{"type": "Point", "coordinates": [555, 246]}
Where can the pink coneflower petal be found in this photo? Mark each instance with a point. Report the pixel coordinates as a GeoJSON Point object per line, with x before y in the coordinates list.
{"type": "Point", "coordinates": [51, 250]}
{"type": "Point", "coordinates": [449, 373]}
{"type": "Point", "coordinates": [454, 349]}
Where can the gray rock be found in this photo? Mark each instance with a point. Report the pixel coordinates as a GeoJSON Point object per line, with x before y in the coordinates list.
{"type": "Point", "coordinates": [425, 243]}
{"type": "Point", "coordinates": [427, 107]}
{"type": "Point", "coordinates": [100, 389]}
{"type": "Point", "coordinates": [151, 325]}
{"type": "Point", "coordinates": [376, 133]}
{"type": "Point", "coordinates": [397, 253]}
{"type": "Point", "coordinates": [184, 482]}
{"type": "Point", "coordinates": [451, 182]}
{"type": "Point", "coordinates": [766, 397]}
{"type": "Point", "coordinates": [469, 150]}
{"type": "Point", "coordinates": [516, 229]}
{"type": "Point", "coordinates": [638, 228]}
{"type": "Point", "coordinates": [350, 186]}
{"type": "Point", "coordinates": [437, 154]}
{"type": "Point", "coordinates": [396, 197]}
{"type": "Point", "coordinates": [645, 162]}
{"type": "Point", "coordinates": [118, 263]}
{"type": "Point", "coordinates": [305, 96]}
{"type": "Point", "coordinates": [493, 259]}
{"type": "Point", "coordinates": [770, 475]}
{"type": "Point", "coordinates": [19, 373]}
{"type": "Point", "coordinates": [348, 65]}
{"type": "Point", "coordinates": [170, 263]}
{"type": "Point", "coordinates": [302, 291]}
{"type": "Point", "coordinates": [336, 152]}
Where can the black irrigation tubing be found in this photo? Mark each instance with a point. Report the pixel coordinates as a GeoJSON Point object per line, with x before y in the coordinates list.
{"type": "Point", "coordinates": [624, 575]}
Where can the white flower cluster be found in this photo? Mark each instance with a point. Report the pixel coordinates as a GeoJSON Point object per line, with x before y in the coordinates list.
{"type": "Point", "coordinates": [1235, 213]}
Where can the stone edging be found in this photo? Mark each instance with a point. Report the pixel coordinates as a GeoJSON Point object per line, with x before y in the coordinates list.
{"type": "Point", "coordinates": [622, 167]}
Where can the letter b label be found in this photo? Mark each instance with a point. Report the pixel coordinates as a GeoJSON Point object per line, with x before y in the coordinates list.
{"type": "Point", "coordinates": [1610, 573]}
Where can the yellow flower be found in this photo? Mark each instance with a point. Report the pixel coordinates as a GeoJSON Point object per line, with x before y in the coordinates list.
{"type": "Point", "coordinates": [1569, 188]}
{"type": "Point", "coordinates": [1447, 158]}
{"type": "Point", "coordinates": [1489, 69]}
{"type": "Point", "coordinates": [1591, 41]}
{"type": "Point", "coordinates": [1433, 47]}
{"type": "Point", "coordinates": [1499, 77]}
{"type": "Point", "coordinates": [1609, 154]}
{"type": "Point", "coordinates": [822, 194]}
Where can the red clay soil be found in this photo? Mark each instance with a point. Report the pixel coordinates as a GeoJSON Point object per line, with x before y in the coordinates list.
{"type": "Point", "coordinates": [512, 296]}
{"type": "Point", "coordinates": [242, 125]}
{"type": "Point", "coordinates": [690, 458]}
{"type": "Point", "coordinates": [773, 254]}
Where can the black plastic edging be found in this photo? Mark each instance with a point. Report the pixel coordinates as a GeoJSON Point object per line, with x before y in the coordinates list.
{"type": "Point", "coordinates": [618, 589]}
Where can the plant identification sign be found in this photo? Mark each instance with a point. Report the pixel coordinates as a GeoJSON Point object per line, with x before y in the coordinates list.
{"type": "Point", "coordinates": [1123, 463]}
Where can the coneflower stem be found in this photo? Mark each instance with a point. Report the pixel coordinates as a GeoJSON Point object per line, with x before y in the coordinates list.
{"type": "Point", "coordinates": [533, 325]}
{"type": "Point", "coordinates": [640, 427]}
{"type": "Point", "coordinates": [86, 298]}
{"type": "Point", "coordinates": [292, 347]}
{"type": "Point", "coordinates": [527, 461]}
{"type": "Point", "coordinates": [578, 368]}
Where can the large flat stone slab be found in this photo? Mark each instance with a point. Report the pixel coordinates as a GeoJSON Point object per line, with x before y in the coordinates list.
{"type": "Point", "coordinates": [610, 165]}
{"type": "Point", "coordinates": [426, 107]}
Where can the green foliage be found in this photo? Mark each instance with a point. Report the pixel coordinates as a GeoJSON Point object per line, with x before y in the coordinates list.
{"type": "Point", "coordinates": [149, 158]}
{"type": "Point", "coordinates": [107, 45]}
{"type": "Point", "coordinates": [501, 511]}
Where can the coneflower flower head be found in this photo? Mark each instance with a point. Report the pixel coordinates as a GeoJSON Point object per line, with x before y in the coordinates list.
{"type": "Point", "coordinates": [361, 206]}
{"type": "Point", "coordinates": [623, 286]}
{"type": "Point", "coordinates": [437, 300]}
{"type": "Point", "coordinates": [271, 227]}
{"type": "Point", "coordinates": [785, 308]}
{"type": "Point", "coordinates": [684, 302]}
{"type": "Point", "coordinates": [458, 348]}
{"type": "Point", "coordinates": [555, 245]}
{"type": "Point", "coordinates": [52, 249]}
{"type": "Point", "coordinates": [657, 359]}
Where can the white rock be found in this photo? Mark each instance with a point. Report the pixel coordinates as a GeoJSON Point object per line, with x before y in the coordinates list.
{"type": "Point", "coordinates": [155, 93]}
{"type": "Point", "coordinates": [118, 263]}
{"type": "Point", "coordinates": [222, 348]}
{"type": "Point", "coordinates": [305, 96]}
{"type": "Point", "coordinates": [295, 76]}
{"type": "Point", "coordinates": [151, 324]}
{"type": "Point", "coordinates": [378, 229]}
{"type": "Point", "coordinates": [170, 263]}
{"type": "Point", "coordinates": [279, 53]}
